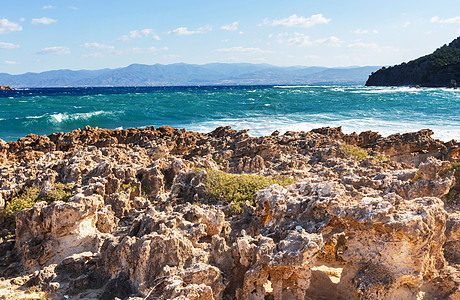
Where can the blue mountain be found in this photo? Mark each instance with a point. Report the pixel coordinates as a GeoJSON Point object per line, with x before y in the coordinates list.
{"type": "Point", "coordinates": [181, 74]}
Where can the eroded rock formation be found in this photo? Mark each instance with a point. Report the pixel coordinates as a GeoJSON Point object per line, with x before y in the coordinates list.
{"type": "Point", "coordinates": [139, 222]}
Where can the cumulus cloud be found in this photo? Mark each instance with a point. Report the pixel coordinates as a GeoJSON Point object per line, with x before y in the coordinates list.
{"type": "Point", "coordinates": [136, 34]}
{"type": "Point", "coordinates": [43, 21]}
{"type": "Point", "coordinates": [54, 51]}
{"type": "Point", "coordinates": [230, 27]}
{"type": "Point", "coordinates": [48, 7]}
{"type": "Point", "coordinates": [364, 45]}
{"type": "Point", "coordinates": [7, 26]}
{"type": "Point", "coordinates": [364, 31]}
{"type": "Point", "coordinates": [299, 21]}
{"type": "Point", "coordinates": [186, 31]}
{"type": "Point", "coordinates": [302, 40]}
{"type": "Point", "coordinates": [453, 20]}
{"type": "Point", "coordinates": [97, 46]}
{"type": "Point", "coordinates": [95, 55]}
{"type": "Point", "coordinates": [8, 45]}
{"type": "Point", "coordinates": [242, 50]}
{"type": "Point", "coordinates": [129, 51]}
{"type": "Point", "coordinates": [406, 24]}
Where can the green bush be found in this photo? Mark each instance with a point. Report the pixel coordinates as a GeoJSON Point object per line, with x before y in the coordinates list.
{"type": "Point", "coordinates": [60, 192]}
{"type": "Point", "coordinates": [236, 189]}
{"type": "Point", "coordinates": [31, 195]}
{"type": "Point", "coordinates": [26, 200]}
{"type": "Point", "coordinates": [350, 151]}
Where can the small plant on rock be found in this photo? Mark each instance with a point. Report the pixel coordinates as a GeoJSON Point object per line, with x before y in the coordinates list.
{"type": "Point", "coordinates": [26, 200]}
{"type": "Point", "coordinates": [351, 151]}
{"type": "Point", "coordinates": [236, 189]}
{"type": "Point", "coordinates": [32, 195]}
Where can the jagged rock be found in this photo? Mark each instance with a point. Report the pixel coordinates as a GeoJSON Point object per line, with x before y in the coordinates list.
{"type": "Point", "coordinates": [139, 222]}
{"type": "Point", "coordinates": [48, 233]}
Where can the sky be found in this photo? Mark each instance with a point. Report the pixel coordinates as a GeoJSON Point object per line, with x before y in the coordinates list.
{"type": "Point", "coordinates": [37, 36]}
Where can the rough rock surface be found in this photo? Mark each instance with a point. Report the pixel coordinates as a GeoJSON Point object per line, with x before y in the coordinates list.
{"type": "Point", "coordinates": [139, 223]}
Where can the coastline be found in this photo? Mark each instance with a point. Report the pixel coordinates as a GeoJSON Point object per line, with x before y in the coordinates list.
{"type": "Point", "coordinates": [112, 211]}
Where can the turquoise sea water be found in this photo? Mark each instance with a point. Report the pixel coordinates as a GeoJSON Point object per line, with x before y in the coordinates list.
{"type": "Point", "coordinates": [262, 109]}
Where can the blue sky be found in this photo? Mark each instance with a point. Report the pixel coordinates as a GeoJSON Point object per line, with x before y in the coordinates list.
{"type": "Point", "coordinates": [40, 35]}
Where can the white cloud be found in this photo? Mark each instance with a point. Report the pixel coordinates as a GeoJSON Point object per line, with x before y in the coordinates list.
{"type": "Point", "coordinates": [143, 50]}
{"type": "Point", "coordinates": [48, 7]}
{"type": "Point", "coordinates": [136, 34]}
{"type": "Point", "coordinates": [186, 31]}
{"type": "Point", "coordinates": [125, 52]}
{"type": "Point", "coordinates": [95, 55]}
{"type": "Point", "coordinates": [230, 27]}
{"type": "Point", "coordinates": [43, 21]}
{"type": "Point", "coordinates": [364, 31]}
{"type": "Point", "coordinates": [97, 46]}
{"type": "Point", "coordinates": [295, 21]}
{"type": "Point", "coordinates": [10, 62]}
{"type": "Point", "coordinates": [54, 51]}
{"type": "Point", "coordinates": [73, 7]}
{"type": "Point", "coordinates": [364, 45]}
{"type": "Point", "coordinates": [406, 24]}
{"type": "Point", "coordinates": [302, 40]}
{"type": "Point", "coordinates": [7, 26]}
{"type": "Point", "coordinates": [453, 20]}
{"type": "Point", "coordinates": [8, 46]}
{"type": "Point", "coordinates": [243, 50]}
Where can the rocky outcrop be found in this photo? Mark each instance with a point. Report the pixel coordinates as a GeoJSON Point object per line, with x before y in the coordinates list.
{"type": "Point", "coordinates": [140, 223]}
{"type": "Point", "coordinates": [5, 88]}
{"type": "Point", "coordinates": [439, 69]}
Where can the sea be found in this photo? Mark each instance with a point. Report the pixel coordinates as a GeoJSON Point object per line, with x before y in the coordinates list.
{"type": "Point", "coordinates": [261, 109]}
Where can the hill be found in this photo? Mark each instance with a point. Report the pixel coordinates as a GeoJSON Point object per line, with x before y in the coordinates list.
{"type": "Point", "coordinates": [182, 74]}
{"type": "Point", "coordinates": [438, 69]}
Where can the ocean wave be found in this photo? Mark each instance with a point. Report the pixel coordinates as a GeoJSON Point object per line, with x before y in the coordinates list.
{"type": "Point", "coordinates": [36, 117]}
{"type": "Point", "coordinates": [61, 117]}
{"type": "Point", "coordinates": [264, 125]}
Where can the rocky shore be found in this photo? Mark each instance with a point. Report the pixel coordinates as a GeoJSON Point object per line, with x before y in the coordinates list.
{"type": "Point", "coordinates": [129, 214]}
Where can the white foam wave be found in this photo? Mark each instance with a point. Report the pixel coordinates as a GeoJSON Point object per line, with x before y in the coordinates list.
{"type": "Point", "coordinates": [261, 126]}
{"type": "Point", "coordinates": [60, 117]}
{"type": "Point", "coordinates": [35, 117]}
{"type": "Point", "coordinates": [399, 89]}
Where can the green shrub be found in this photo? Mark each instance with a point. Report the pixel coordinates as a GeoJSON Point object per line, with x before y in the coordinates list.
{"type": "Point", "coordinates": [60, 192]}
{"type": "Point", "coordinates": [382, 157]}
{"type": "Point", "coordinates": [351, 151]}
{"type": "Point", "coordinates": [26, 200]}
{"type": "Point", "coordinates": [31, 195]}
{"type": "Point", "coordinates": [236, 189]}
{"type": "Point", "coordinates": [127, 186]}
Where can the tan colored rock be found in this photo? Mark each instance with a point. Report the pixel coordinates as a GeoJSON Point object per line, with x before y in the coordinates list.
{"type": "Point", "coordinates": [140, 223]}
{"type": "Point", "coordinates": [48, 233]}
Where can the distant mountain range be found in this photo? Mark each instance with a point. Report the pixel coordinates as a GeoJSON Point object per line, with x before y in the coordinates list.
{"type": "Point", "coordinates": [182, 74]}
{"type": "Point", "coordinates": [438, 69]}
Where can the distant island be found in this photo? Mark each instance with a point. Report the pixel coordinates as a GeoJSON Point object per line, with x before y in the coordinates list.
{"type": "Point", "coordinates": [181, 74]}
{"type": "Point", "coordinates": [438, 69]}
{"type": "Point", "coordinates": [6, 88]}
